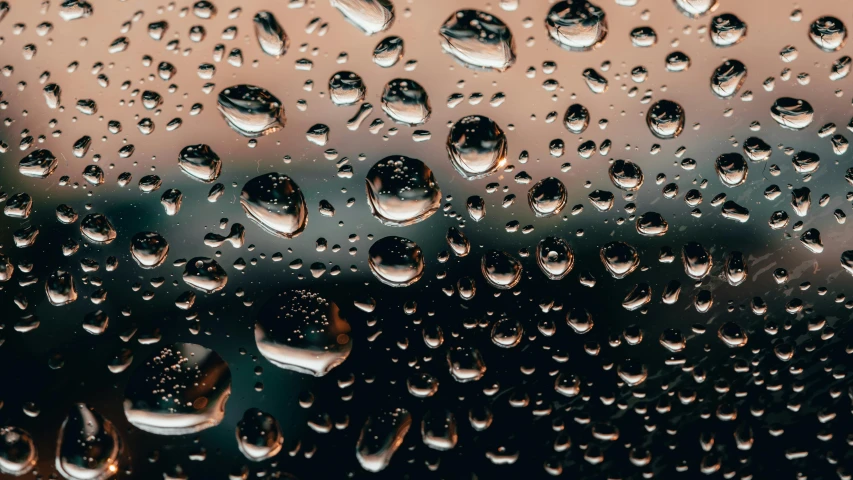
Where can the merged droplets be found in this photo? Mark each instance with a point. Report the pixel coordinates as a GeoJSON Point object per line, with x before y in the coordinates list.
{"type": "Point", "coordinates": [346, 88]}
{"type": "Point", "coordinates": [251, 111]}
{"type": "Point", "coordinates": [271, 36]}
{"type": "Point", "coordinates": [477, 147]}
{"type": "Point", "coordinates": [728, 78]}
{"type": "Point", "coordinates": [38, 164]}
{"type": "Point", "coordinates": [500, 269]}
{"type": "Point", "coordinates": [205, 274]}
{"type": "Point", "coordinates": [402, 191]}
{"type": "Point", "coordinates": [97, 229]}
{"type": "Point", "coordinates": [478, 40]}
{"type": "Point", "coordinates": [371, 16]}
{"type": "Point", "coordinates": [576, 25]}
{"type": "Point", "coordinates": [200, 162]}
{"type": "Point", "coordinates": [275, 203]}
{"type": "Point", "coordinates": [302, 331]}
{"type": "Point", "coordinates": [406, 102]}
{"type": "Point", "coordinates": [727, 30]}
{"type": "Point", "coordinates": [547, 197]}
{"type": "Point", "coordinates": [828, 33]}
{"type": "Point", "coordinates": [619, 258]}
{"type": "Point", "coordinates": [792, 113]}
{"type": "Point", "coordinates": [88, 447]}
{"type": "Point", "coordinates": [732, 169]}
{"type": "Point", "coordinates": [555, 257]}
{"type": "Point", "coordinates": [626, 175]}
{"type": "Point", "coordinates": [149, 249]}
{"type": "Point", "coordinates": [382, 434]}
{"type": "Point", "coordinates": [181, 389]}
{"type": "Point", "coordinates": [259, 435]}
{"type": "Point", "coordinates": [696, 8]}
{"type": "Point", "coordinates": [396, 261]}
{"type": "Point", "coordinates": [665, 119]}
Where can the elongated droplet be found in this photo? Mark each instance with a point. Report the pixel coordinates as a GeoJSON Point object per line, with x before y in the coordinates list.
{"type": "Point", "coordinates": [380, 437]}
{"type": "Point", "coordinates": [270, 35]}
{"type": "Point", "coordinates": [478, 40]}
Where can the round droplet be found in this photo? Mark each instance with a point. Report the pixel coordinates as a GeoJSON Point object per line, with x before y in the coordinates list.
{"type": "Point", "coordinates": [200, 162]}
{"type": "Point", "coordinates": [406, 102]}
{"type": "Point", "coordinates": [728, 78]}
{"type": "Point", "coordinates": [18, 454]}
{"type": "Point", "coordinates": [396, 261]}
{"type": "Point", "coordinates": [626, 175]}
{"type": "Point", "coordinates": [302, 331]}
{"type": "Point", "coordinates": [828, 33]}
{"type": "Point", "coordinates": [259, 435]}
{"type": "Point", "coordinates": [149, 249]}
{"type": "Point", "coordinates": [500, 269]}
{"type": "Point", "coordinates": [251, 111]}
{"type": "Point", "coordinates": [576, 25]}
{"type": "Point", "coordinates": [732, 169]}
{"type": "Point", "coordinates": [792, 113]}
{"type": "Point", "coordinates": [88, 447]}
{"type": "Point", "coordinates": [388, 52]}
{"type": "Point", "coordinates": [97, 229]}
{"type": "Point", "coordinates": [732, 335]}
{"type": "Point", "coordinates": [547, 197]}
{"type": "Point", "coordinates": [727, 30]}
{"type": "Point", "coordinates": [507, 332]}
{"type": "Point", "coordinates": [346, 88]}
{"type": "Point", "coordinates": [619, 258]}
{"type": "Point", "coordinates": [576, 119]}
{"type": "Point", "coordinates": [181, 389]}
{"type": "Point", "coordinates": [665, 119]}
{"type": "Point", "coordinates": [478, 40]}
{"type": "Point", "coordinates": [555, 257]}
{"type": "Point", "coordinates": [275, 203]}
{"type": "Point", "coordinates": [477, 147]}
{"type": "Point", "coordinates": [205, 274]}
{"type": "Point", "coordinates": [402, 191]}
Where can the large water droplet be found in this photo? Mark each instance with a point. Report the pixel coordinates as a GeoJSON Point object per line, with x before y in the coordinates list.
{"type": "Point", "coordinates": [828, 33]}
{"type": "Point", "coordinates": [200, 162]}
{"type": "Point", "coordinates": [18, 454]}
{"type": "Point", "coordinates": [302, 331]}
{"type": "Point", "coordinates": [60, 288]}
{"type": "Point", "coordinates": [182, 389]}
{"type": "Point", "coordinates": [732, 169]}
{"type": "Point", "coordinates": [402, 191]}
{"type": "Point", "coordinates": [97, 229]}
{"type": "Point", "coordinates": [547, 197]}
{"type": "Point", "coordinates": [500, 269]}
{"type": "Point", "coordinates": [555, 257]}
{"type": "Point", "coordinates": [346, 88]}
{"type": "Point", "coordinates": [88, 446]}
{"type": "Point", "coordinates": [380, 437]}
{"type": "Point", "coordinates": [666, 119]}
{"type": "Point", "coordinates": [697, 261]}
{"type": "Point", "coordinates": [205, 274]}
{"type": "Point", "coordinates": [271, 37]}
{"type": "Point", "coordinates": [727, 30]}
{"type": "Point", "coordinates": [38, 164]}
{"type": "Point", "coordinates": [371, 16]}
{"type": "Point", "coordinates": [251, 111]}
{"type": "Point", "coordinates": [275, 202]}
{"type": "Point", "coordinates": [388, 51]}
{"type": "Point", "coordinates": [696, 8]}
{"type": "Point", "coordinates": [477, 147]}
{"type": "Point", "coordinates": [396, 261]}
{"type": "Point", "coordinates": [576, 119]}
{"type": "Point", "coordinates": [258, 435]}
{"type": "Point", "coordinates": [619, 258]}
{"type": "Point", "coordinates": [728, 78]}
{"type": "Point", "coordinates": [626, 175]}
{"type": "Point", "coordinates": [576, 25]}
{"type": "Point", "coordinates": [478, 40]}
{"type": "Point", "coordinates": [406, 102]}
{"type": "Point", "coordinates": [149, 249]}
{"type": "Point", "coordinates": [793, 113]}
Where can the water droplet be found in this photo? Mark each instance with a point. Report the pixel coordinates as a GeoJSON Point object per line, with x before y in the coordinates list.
{"type": "Point", "coordinates": [727, 30]}
{"type": "Point", "coordinates": [732, 335]}
{"type": "Point", "coordinates": [619, 258]}
{"type": "Point", "coordinates": [478, 40]}
{"type": "Point", "coordinates": [388, 52]}
{"type": "Point", "coordinates": [259, 435]}
{"type": "Point", "coordinates": [346, 88]}
{"type": "Point", "coordinates": [88, 447]}
{"type": "Point", "coordinates": [547, 197]}
{"type": "Point", "coordinates": [275, 203]}
{"type": "Point", "coordinates": [396, 261]}
{"type": "Point", "coordinates": [728, 78]}
{"type": "Point", "coordinates": [792, 113]}
{"type": "Point", "coordinates": [828, 33]}
{"type": "Point", "coordinates": [149, 249]}
{"type": "Point", "coordinates": [697, 261]}
{"type": "Point", "coordinates": [576, 119]}
{"type": "Point", "coordinates": [302, 331]}
{"type": "Point", "coordinates": [500, 269]}
{"type": "Point", "coordinates": [555, 257]}
{"type": "Point", "coordinates": [181, 389]}
{"type": "Point", "coordinates": [251, 111]}
{"type": "Point", "coordinates": [666, 119]}
{"type": "Point", "coordinates": [406, 102]}
{"type": "Point", "coordinates": [626, 175]}
{"type": "Point", "coordinates": [205, 274]}
{"type": "Point", "coordinates": [652, 224]}
{"type": "Point", "coordinates": [576, 25]}
{"type": "Point", "coordinates": [200, 162]}
{"type": "Point", "coordinates": [371, 16]}
{"type": "Point", "coordinates": [477, 147]}
{"type": "Point", "coordinates": [696, 8]}
{"type": "Point", "coordinates": [271, 37]}
{"type": "Point", "coordinates": [731, 169]}
{"type": "Point", "coordinates": [97, 229]}
{"type": "Point", "coordinates": [18, 453]}
{"type": "Point", "coordinates": [38, 164]}
{"type": "Point", "coordinates": [381, 436]}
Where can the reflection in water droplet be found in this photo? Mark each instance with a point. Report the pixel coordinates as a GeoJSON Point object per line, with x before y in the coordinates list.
{"type": "Point", "coordinates": [555, 257]}
{"type": "Point", "coordinates": [402, 191]}
{"type": "Point", "coordinates": [828, 33]}
{"type": "Point", "coordinates": [792, 113]}
{"type": "Point", "coordinates": [396, 261]}
{"type": "Point", "coordinates": [812, 241]}
{"type": "Point", "coordinates": [182, 389]}
{"type": "Point", "coordinates": [626, 175]}
{"type": "Point", "coordinates": [666, 119]}
{"type": "Point", "coordinates": [465, 363]}
{"type": "Point", "coordinates": [60, 288]}
{"type": "Point", "coordinates": [732, 169]}
{"type": "Point", "coordinates": [500, 269]}
{"type": "Point", "coordinates": [406, 102]}
{"type": "Point", "coordinates": [388, 51]}
{"type": "Point", "coordinates": [547, 197]}
{"type": "Point", "coordinates": [97, 229]}
{"type": "Point", "coordinates": [346, 88]}
{"type": "Point", "coordinates": [735, 269]}
{"type": "Point", "coordinates": [302, 331]}
{"type": "Point", "coordinates": [757, 149]}
{"type": "Point", "coordinates": [438, 430]}
{"type": "Point", "coordinates": [88, 446]}
{"type": "Point", "coordinates": [205, 274]}
{"type": "Point", "coordinates": [458, 242]}
{"type": "Point", "coordinates": [619, 258]}
{"type": "Point", "coordinates": [149, 249]}
{"type": "Point", "coordinates": [478, 40]}
{"type": "Point", "coordinates": [477, 147]}
{"type": "Point", "coordinates": [270, 35]}
{"type": "Point", "coordinates": [38, 164]}
{"type": "Point", "coordinates": [732, 335]}
{"type": "Point", "coordinates": [728, 78]}
{"type": "Point", "coordinates": [200, 162]}
{"type": "Point", "coordinates": [380, 437]}
{"type": "Point", "coordinates": [18, 453]}
{"type": "Point", "coordinates": [576, 25]}
{"type": "Point", "coordinates": [727, 30]}
{"type": "Point", "coordinates": [697, 261]}
{"type": "Point", "coordinates": [576, 119]}
{"type": "Point", "coordinates": [258, 435]}
{"type": "Point", "coordinates": [251, 111]}
{"type": "Point", "coordinates": [275, 203]}
{"type": "Point", "coordinates": [371, 16]}
{"type": "Point", "coordinates": [696, 8]}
